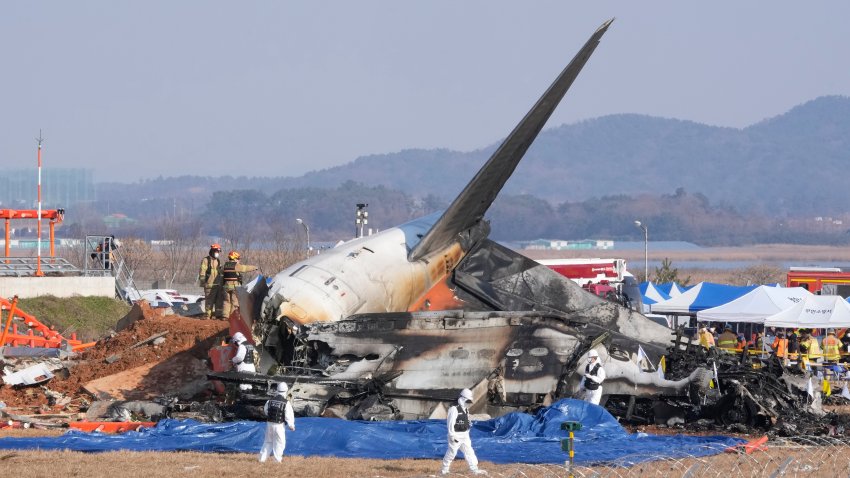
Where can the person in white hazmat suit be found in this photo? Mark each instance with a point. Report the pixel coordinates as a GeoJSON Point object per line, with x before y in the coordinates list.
{"type": "Point", "coordinates": [244, 358]}
{"type": "Point", "coordinates": [458, 423]}
{"type": "Point", "coordinates": [591, 381]}
{"type": "Point", "coordinates": [278, 412]}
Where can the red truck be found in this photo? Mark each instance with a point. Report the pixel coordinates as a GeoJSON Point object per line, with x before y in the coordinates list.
{"type": "Point", "coordinates": [607, 278]}
{"type": "Point", "coordinates": [825, 280]}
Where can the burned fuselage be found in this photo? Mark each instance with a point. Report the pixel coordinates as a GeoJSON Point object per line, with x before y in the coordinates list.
{"type": "Point", "coordinates": [421, 310]}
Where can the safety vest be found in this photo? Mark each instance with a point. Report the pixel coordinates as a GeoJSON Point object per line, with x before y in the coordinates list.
{"type": "Point", "coordinates": [462, 423]}
{"type": "Point", "coordinates": [229, 273]}
{"type": "Point", "coordinates": [706, 339]}
{"type": "Point", "coordinates": [590, 384]}
{"type": "Point", "coordinates": [249, 353]}
{"type": "Point", "coordinates": [831, 348]}
{"type": "Point", "coordinates": [209, 269]}
{"type": "Point", "coordinates": [277, 409]}
{"type": "Point", "coordinates": [780, 346]}
{"type": "Point", "coordinates": [727, 341]}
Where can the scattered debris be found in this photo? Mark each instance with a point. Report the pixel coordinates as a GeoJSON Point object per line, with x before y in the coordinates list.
{"type": "Point", "coordinates": [114, 357]}
{"type": "Point", "coordinates": [110, 427]}
{"type": "Point", "coordinates": [38, 373]}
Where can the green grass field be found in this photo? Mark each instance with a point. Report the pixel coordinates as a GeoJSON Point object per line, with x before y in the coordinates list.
{"type": "Point", "coordinates": [89, 317]}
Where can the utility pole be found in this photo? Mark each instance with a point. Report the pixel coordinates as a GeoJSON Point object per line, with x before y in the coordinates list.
{"type": "Point", "coordinates": [645, 249]}
{"type": "Point", "coordinates": [38, 271]}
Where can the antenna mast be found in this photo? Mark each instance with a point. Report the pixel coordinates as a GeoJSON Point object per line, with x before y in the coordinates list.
{"type": "Point", "coordinates": [38, 271]}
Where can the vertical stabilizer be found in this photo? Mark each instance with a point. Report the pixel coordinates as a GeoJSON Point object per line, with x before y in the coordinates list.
{"type": "Point", "coordinates": [469, 207]}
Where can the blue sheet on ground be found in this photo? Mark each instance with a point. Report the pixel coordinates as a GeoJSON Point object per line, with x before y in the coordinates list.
{"type": "Point", "coordinates": [513, 438]}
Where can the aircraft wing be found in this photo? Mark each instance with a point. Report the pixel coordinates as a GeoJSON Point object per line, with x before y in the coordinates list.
{"type": "Point", "coordinates": [469, 207]}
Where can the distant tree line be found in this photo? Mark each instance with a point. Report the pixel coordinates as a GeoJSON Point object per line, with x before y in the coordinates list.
{"type": "Point", "coordinates": [246, 217]}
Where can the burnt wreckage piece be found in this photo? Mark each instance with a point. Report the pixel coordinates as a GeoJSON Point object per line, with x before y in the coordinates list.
{"type": "Point", "coordinates": [772, 398]}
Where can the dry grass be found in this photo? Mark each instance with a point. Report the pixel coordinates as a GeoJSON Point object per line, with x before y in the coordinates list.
{"type": "Point", "coordinates": [825, 461]}
{"type": "Point", "coordinates": [211, 465]}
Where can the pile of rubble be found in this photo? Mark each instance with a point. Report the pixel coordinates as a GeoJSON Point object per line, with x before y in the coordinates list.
{"type": "Point", "coordinates": [152, 356]}
{"type": "Point", "coordinates": [739, 398]}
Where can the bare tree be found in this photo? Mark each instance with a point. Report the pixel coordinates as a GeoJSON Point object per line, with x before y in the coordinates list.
{"type": "Point", "coordinates": [759, 274]}
{"type": "Point", "coordinates": [283, 247]}
{"type": "Point", "coordinates": [181, 238]}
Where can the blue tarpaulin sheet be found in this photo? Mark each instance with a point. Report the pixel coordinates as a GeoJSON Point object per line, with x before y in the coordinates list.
{"type": "Point", "coordinates": [513, 438]}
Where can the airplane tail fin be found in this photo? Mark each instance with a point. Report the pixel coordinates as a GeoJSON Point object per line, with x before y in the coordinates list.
{"type": "Point", "coordinates": [471, 204]}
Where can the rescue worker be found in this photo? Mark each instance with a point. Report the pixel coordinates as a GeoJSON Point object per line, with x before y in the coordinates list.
{"type": "Point", "coordinates": [831, 347]}
{"type": "Point", "coordinates": [727, 340]}
{"type": "Point", "coordinates": [496, 386]}
{"type": "Point", "coordinates": [706, 339]}
{"type": "Point", "coordinates": [458, 423]}
{"type": "Point", "coordinates": [231, 274]}
{"type": "Point", "coordinates": [780, 346]}
{"type": "Point", "coordinates": [809, 349]}
{"type": "Point", "coordinates": [244, 358]}
{"type": "Point", "coordinates": [845, 345]}
{"type": "Point", "coordinates": [591, 381]}
{"type": "Point", "coordinates": [104, 252]}
{"type": "Point", "coordinates": [278, 412]}
{"type": "Point", "coordinates": [209, 277]}
{"type": "Point", "coordinates": [742, 343]}
{"type": "Point", "coordinates": [793, 345]}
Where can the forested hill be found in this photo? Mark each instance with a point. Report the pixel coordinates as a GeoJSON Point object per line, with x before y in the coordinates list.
{"type": "Point", "coordinates": [792, 164]}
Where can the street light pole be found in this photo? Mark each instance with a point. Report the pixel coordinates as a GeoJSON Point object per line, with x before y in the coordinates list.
{"type": "Point", "coordinates": [307, 232]}
{"type": "Point", "coordinates": [645, 249]}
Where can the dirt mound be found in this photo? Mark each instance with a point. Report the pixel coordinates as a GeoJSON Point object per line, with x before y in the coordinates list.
{"type": "Point", "coordinates": [185, 336]}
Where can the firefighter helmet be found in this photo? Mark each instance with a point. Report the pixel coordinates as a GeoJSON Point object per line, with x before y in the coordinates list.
{"type": "Point", "coordinates": [215, 246]}
{"type": "Point", "coordinates": [233, 256]}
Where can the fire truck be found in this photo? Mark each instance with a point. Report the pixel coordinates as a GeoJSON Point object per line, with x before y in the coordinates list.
{"type": "Point", "coordinates": [607, 278]}
{"type": "Point", "coordinates": [820, 280]}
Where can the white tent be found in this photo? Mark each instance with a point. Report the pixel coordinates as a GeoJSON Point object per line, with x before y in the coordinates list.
{"type": "Point", "coordinates": [816, 312]}
{"type": "Point", "coordinates": [704, 295]}
{"type": "Point", "coordinates": [755, 306]}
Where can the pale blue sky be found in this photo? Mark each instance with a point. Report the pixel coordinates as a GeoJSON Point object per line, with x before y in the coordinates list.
{"type": "Point", "coordinates": [150, 88]}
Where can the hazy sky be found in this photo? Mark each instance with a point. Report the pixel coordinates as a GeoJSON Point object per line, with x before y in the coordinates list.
{"type": "Point", "coordinates": [267, 88]}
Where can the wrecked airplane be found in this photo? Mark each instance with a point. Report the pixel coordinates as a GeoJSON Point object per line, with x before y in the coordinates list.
{"type": "Point", "coordinates": [393, 325]}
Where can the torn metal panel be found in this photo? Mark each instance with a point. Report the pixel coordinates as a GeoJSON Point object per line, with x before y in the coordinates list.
{"type": "Point", "coordinates": [38, 373]}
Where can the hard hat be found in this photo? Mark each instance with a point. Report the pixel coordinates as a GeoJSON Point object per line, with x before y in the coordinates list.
{"type": "Point", "coordinates": [215, 246]}
{"type": "Point", "coordinates": [593, 354]}
{"type": "Point", "coordinates": [830, 331]}
{"type": "Point", "coordinates": [466, 394]}
{"type": "Point", "coordinates": [238, 337]}
{"type": "Point", "coordinates": [282, 387]}
{"type": "Point", "coordinates": [233, 256]}
{"type": "Point", "coordinates": [727, 327]}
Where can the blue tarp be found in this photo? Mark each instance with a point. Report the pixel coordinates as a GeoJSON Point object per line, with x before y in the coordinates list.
{"type": "Point", "coordinates": [513, 438]}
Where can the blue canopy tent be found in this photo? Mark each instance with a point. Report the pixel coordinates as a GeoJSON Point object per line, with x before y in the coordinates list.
{"type": "Point", "coordinates": [704, 295]}
{"type": "Point", "coordinates": [651, 295]}
{"type": "Point", "coordinates": [672, 289]}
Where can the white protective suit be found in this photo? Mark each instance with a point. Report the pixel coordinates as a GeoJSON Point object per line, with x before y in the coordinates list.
{"type": "Point", "coordinates": [275, 440]}
{"type": "Point", "coordinates": [459, 440]}
{"type": "Point", "coordinates": [592, 396]}
{"type": "Point", "coordinates": [239, 361]}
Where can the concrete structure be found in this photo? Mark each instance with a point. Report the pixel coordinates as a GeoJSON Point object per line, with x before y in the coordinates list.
{"type": "Point", "coordinates": [27, 287]}
{"type": "Point", "coordinates": [562, 245]}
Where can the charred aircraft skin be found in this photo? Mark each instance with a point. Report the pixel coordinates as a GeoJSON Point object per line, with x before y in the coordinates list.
{"type": "Point", "coordinates": [419, 311]}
